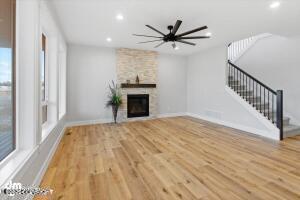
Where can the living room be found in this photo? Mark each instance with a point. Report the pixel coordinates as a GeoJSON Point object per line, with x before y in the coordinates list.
{"type": "Point", "coordinates": [149, 99]}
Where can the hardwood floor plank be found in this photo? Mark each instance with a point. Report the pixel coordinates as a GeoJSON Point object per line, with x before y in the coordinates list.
{"type": "Point", "coordinates": [172, 158]}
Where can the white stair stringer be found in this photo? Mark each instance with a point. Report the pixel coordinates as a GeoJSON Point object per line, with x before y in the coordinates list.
{"type": "Point", "coordinates": [252, 103]}
{"type": "Point", "coordinates": [273, 132]}
{"type": "Point", "coordinates": [239, 48]}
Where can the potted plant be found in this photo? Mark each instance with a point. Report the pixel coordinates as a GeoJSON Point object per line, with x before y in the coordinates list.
{"type": "Point", "coordinates": [115, 99]}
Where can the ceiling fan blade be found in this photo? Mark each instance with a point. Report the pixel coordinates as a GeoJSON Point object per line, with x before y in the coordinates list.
{"type": "Point", "coordinates": [160, 44]}
{"type": "Point", "coordinates": [195, 37]}
{"type": "Point", "coordinates": [155, 30]}
{"type": "Point", "coordinates": [176, 27]}
{"type": "Point", "coordinates": [146, 36]}
{"type": "Point", "coordinates": [192, 31]}
{"type": "Point", "coordinates": [150, 41]}
{"type": "Point", "coordinates": [185, 42]}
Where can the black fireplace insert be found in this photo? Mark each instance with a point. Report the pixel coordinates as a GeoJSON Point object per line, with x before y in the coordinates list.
{"type": "Point", "coordinates": [137, 105]}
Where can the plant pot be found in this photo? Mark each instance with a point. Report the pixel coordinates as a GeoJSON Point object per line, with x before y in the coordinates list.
{"type": "Point", "coordinates": [115, 112]}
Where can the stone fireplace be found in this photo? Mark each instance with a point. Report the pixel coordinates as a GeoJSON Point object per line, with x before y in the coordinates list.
{"type": "Point", "coordinates": [141, 63]}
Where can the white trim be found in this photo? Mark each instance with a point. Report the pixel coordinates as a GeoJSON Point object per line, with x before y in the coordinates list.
{"type": "Point", "coordinates": [108, 120]}
{"type": "Point", "coordinates": [252, 110]}
{"type": "Point", "coordinates": [164, 115]}
{"type": "Point", "coordinates": [236, 126]}
{"type": "Point", "coordinates": [254, 40]}
{"type": "Point", "coordinates": [88, 122]}
{"type": "Point", "coordinates": [43, 169]}
{"type": "Point", "coordinates": [47, 128]}
{"type": "Point", "coordinates": [15, 163]}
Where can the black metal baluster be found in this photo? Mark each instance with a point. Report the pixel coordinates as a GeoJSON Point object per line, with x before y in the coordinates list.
{"type": "Point", "coordinates": [249, 89]}
{"type": "Point", "coordinates": [268, 104]}
{"type": "Point", "coordinates": [246, 86]}
{"type": "Point", "coordinates": [230, 71]}
{"type": "Point", "coordinates": [240, 78]}
{"type": "Point", "coordinates": [228, 79]}
{"type": "Point", "coordinates": [279, 112]}
{"type": "Point", "coordinates": [244, 78]}
{"type": "Point", "coordinates": [233, 76]}
{"type": "Point", "coordinates": [273, 108]}
{"type": "Point", "coordinates": [253, 91]}
{"type": "Point", "coordinates": [256, 93]}
{"type": "Point", "coordinates": [260, 99]}
{"type": "Point", "coordinates": [264, 101]}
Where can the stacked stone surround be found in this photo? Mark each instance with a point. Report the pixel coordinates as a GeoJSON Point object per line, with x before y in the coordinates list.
{"type": "Point", "coordinates": [130, 63]}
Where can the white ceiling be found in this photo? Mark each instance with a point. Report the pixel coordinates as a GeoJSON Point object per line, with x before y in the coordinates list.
{"type": "Point", "coordinates": [90, 22]}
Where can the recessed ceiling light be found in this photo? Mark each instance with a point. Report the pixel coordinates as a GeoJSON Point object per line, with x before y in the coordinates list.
{"type": "Point", "coordinates": [275, 4]}
{"type": "Point", "coordinates": [119, 17]}
{"type": "Point", "coordinates": [108, 39]}
{"type": "Point", "coordinates": [208, 34]}
{"type": "Point", "coordinates": [176, 48]}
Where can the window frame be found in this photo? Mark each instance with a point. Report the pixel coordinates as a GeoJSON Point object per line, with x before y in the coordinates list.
{"type": "Point", "coordinates": [13, 82]}
{"type": "Point", "coordinates": [62, 82]}
{"type": "Point", "coordinates": [44, 102]}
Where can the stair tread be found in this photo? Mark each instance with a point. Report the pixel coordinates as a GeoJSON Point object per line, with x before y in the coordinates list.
{"type": "Point", "coordinates": [289, 129]}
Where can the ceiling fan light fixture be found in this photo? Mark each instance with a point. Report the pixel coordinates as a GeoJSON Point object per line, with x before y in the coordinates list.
{"type": "Point", "coordinates": [275, 4]}
{"type": "Point", "coordinates": [208, 34]}
{"type": "Point", "coordinates": [175, 47]}
{"type": "Point", "coordinates": [119, 17]}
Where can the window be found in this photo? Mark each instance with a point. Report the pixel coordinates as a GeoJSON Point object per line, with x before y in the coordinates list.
{"type": "Point", "coordinates": [62, 82]}
{"type": "Point", "coordinates": [7, 78]}
{"type": "Point", "coordinates": [44, 90]}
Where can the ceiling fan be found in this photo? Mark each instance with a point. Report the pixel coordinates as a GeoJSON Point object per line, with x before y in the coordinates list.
{"type": "Point", "coordinates": [172, 37]}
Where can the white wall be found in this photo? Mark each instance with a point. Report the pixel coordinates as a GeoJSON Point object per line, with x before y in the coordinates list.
{"type": "Point", "coordinates": [206, 95]}
{"type": "Point", "coordinates": [90, 70]}
{"type": "Point", "coordinates": [171, 84]}
{"type": "Point", "coordinates": [29, 162]}
{"type": "Point", "coordinates": [276, 62]}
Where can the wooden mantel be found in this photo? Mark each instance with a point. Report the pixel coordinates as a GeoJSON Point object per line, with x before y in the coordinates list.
{"type": "Point", "coordinates": [140, 85]}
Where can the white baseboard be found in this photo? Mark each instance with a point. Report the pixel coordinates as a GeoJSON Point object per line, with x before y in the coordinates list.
{"type": "Point", "coordinates": [272, 134]}
{"type": "Point", "coordinates": [38, 179]}
{"type": "Point", "coordinates": [104, 121]}
{"type": "Point", "coordinates": [41, 173]}
{"type": "Point", "coordinates": [88, 122]}
{"type": "Point", "coordinates": [267, 134]}
{"type": "Point", "coordinates": [164, 115]}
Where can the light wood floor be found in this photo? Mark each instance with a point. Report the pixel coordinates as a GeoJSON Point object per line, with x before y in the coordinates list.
{"type": "Point", "coordinates": [172, 158]}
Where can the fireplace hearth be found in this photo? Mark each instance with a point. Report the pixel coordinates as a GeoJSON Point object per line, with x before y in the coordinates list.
{"type": "Point", "coordinates": [137, 105]}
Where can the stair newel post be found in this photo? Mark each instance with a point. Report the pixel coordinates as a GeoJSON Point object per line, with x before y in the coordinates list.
{"type": "Point", "coordinates": [279, 112]}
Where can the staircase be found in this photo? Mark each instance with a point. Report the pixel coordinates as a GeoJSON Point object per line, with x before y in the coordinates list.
{"type": "Point", "coordinates": [264, 99]}
{"type": "Point", "coordinates": [238, 48]}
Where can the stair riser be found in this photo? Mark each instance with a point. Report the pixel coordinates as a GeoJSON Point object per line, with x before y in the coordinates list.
{"type": "Point", "coordinates": [233, 82]}
{"type": "Point", "coordinates": [253, 100]}
{"type": "Point", "coordinates": [238, 87]}
{"type": "Point", "coordinates": [262, 106]}
{"type": "Point", "coordinates": [235, 85]}
{"type": "Point", "coordinates": [244, 93]}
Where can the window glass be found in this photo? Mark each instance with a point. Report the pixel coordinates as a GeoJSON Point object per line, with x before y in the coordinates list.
{"type": "Point", "coordinates": [7, 84]}
{"type": "Point", "coordinates": [44, 81]}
